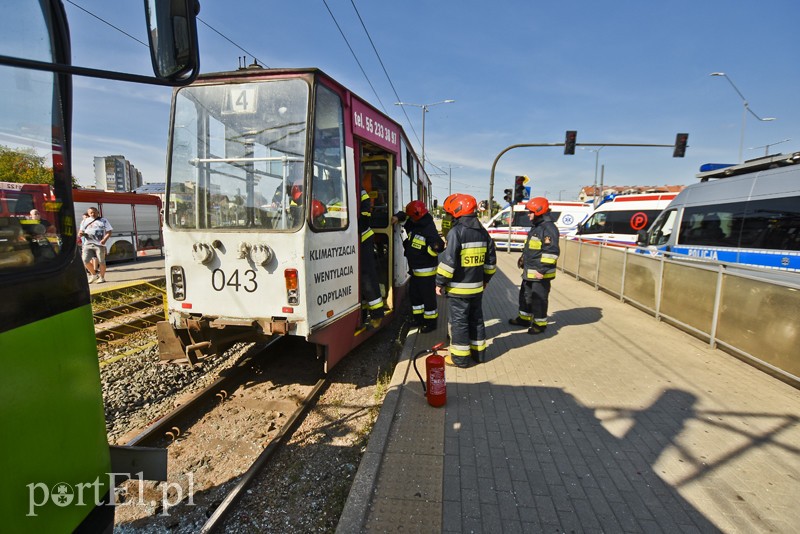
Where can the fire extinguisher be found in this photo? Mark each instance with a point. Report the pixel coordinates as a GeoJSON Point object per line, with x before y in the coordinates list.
{"type": "Point", "coordinates": [436, 391]}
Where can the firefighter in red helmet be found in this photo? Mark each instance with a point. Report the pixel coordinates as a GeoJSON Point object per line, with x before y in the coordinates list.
{"type": "Point", "coordinates": [465, 267]}
{"type": "Point", "coordinates": [538, 263]}
{"type": "Point", "coordinates": [421, 248]}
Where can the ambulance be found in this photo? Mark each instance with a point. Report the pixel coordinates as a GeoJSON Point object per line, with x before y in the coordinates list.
{"type": "Point", "coordinates": [566, 215]}
{"type": "Point", "coordinates": [618, 221]}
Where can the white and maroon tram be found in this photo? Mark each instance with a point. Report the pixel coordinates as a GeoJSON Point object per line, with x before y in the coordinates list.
{"type": "Point", "coordinates": [265, 170]}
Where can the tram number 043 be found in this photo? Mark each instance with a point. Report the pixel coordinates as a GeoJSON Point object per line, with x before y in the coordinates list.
{"type": "Point", "coordinates": [247, 281]}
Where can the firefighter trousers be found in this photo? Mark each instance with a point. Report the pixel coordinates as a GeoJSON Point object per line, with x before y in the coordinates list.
{"type": "Point", "coordinates": [372, 301]}
{"type": "Point", "coordinates": [422, 292]}
{"type": "Point", "coordinates": [467, 330]}
{"type": "Point", "coordinates": [534, 298]}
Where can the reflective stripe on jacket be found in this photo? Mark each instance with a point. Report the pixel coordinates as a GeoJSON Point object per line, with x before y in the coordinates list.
{"type": "Point", "coordinates": [541, 249]}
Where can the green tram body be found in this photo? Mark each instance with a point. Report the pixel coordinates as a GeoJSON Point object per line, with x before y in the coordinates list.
{"type": "Point", "coordinates": [56, 464]}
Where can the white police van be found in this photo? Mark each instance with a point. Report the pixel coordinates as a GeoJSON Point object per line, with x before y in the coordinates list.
{"type": "Point", "coordinates": [618, 221]}
{"type": "Point", "coordinates": [566, 215]}
{"type": "Point", "coordinates": [744, 214]}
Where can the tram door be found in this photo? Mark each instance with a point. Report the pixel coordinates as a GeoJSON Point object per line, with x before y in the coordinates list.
{"type": "Point", "coordinates": [376, 179]}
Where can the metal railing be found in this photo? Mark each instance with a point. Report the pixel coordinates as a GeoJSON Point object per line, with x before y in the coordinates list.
{"type": "Point", "coordinates": [752, 314]}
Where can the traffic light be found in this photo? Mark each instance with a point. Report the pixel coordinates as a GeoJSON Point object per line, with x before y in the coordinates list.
{"type": "Point", "coordinates": [519, 189]}
{"type": "Point", "coordinates": [569, 142]}
{"type": "Point", "coordinates": [680, 145]}
{"type": "Point", "coordinates": [507, 195]}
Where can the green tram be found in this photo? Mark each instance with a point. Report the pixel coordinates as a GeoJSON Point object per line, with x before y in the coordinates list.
{"type": "Point", "coordinates": [57, 467]}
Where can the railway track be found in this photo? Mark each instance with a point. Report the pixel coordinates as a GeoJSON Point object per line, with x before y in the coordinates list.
{"type": "Point", "coordinates": [221, 437]}
{"type": "Point", "coordinates": [227, 443]}
{"type": "Point", "coordinates": [132, 309]}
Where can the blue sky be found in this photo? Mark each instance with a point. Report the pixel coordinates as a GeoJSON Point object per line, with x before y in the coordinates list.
{"type": "Point", "coordinates": [519, 71]}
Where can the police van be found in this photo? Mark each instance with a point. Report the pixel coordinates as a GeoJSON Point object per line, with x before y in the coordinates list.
{"type": "Point", "coordinates": [566, 215]}
{"type": "Point", "coordinates": [618, 221]}
{"type": "Point", "coordinates": [743, 214]}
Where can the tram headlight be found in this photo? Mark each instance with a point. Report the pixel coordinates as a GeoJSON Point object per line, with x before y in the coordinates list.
{"type": "Point", "coordinates": [261, 254]}
{"type": "Point", "coordinates": [292, 286]}
{"type": "Point", "coordinates": [177, 281]}
{"type": "Point", "coordinates": [202, 253]}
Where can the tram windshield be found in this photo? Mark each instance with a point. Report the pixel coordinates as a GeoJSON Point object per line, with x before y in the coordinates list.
{"type": "Point", "coordinates": [238, 156]}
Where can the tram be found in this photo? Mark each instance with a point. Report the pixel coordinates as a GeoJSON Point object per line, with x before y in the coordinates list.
{"type": "Point", "coordinates": [57, 467]}
{"type": "Point", "coordinates": [266, 169]}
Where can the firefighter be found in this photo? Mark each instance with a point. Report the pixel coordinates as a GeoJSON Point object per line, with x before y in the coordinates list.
{"type": "Point", "coordinates": [318, 211]}
{"type": "Point", "coordinates": [447, 220]}
{"type": "Point", "coordinates": [372, 301]}
{"type": "Point", "coordinates": [538, 263]}
{"type": "Point", "coordinates": [465, 267]}
{"type": "Point", "coordinates": [421, 248]}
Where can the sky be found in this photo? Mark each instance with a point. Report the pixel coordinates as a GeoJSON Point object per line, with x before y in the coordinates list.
{"type": "Point", "coordinates": [519, 71]}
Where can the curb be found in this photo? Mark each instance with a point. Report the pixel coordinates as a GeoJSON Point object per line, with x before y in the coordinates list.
{"type": "Point", "coordinates": [356, 507]}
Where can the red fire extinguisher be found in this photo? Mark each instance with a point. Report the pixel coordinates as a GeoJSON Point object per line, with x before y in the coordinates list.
{"type": "Point", "coordinates": [436, 391]}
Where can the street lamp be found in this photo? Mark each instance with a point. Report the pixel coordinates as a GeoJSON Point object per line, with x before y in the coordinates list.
{"type": "Point", "coordinates": [744, 111]}
{"type": "Point", "coordinates": [596, 161]}
{"type": "Point", "coordinates": [424, 111]}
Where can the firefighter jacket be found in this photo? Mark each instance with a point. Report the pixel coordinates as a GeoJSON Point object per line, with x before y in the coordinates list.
{"type": "Point", "coordinates": [447, 224]}
{"type": "Point", "coordinates": [468, 261]}
{"type": "Point", "coordinates": [541, 250]}
{"type": "Point", "coordinates": [422, 246]}
{"type": "Point", "coordinates": [365, 217]}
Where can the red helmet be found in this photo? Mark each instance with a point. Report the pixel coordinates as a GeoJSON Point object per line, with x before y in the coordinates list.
{"type": "Point", "coordinates": [463, 205]}
{"type": "Point", "coordinates": [538, 206]}
{"type": "Point", "coordinates": [297, 191]}
{"type": "Point", "coordinates": [416, 210]}
{"type": "Point", "coordinates": [317, 209]}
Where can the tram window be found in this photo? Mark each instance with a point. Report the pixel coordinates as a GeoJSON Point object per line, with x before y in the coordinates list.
{"type": "Point", "coordinates": [375, 181]}
{"type": "Point", "coordinates": [328, 188]}
{"type": "Point", "coordinates": [407, 183]}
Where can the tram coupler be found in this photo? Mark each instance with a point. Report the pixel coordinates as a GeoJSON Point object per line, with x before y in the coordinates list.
{"type": "Point", "coordinates": [182, 344]}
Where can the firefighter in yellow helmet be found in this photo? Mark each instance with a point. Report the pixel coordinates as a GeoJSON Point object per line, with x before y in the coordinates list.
{"type": "Point", "coordinates": [447, 220]}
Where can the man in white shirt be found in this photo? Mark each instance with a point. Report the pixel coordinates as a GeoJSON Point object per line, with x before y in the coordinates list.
{"type": "Point", "coordinates": [95, 232]}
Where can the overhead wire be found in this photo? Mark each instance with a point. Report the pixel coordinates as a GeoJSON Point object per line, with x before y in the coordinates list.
{"type": "Point", "coordinates": [380, 60]}
{"type": "Point", "coordinates": [232, 42]}
{"type": "Point", "coordinates": [354, 55]}
{"type": "Point", "coordinates": [145, 44]}
{"type": "Point", "coordinates": [108, 23]}
{"type": "Point", "coordinates": [255, 58]}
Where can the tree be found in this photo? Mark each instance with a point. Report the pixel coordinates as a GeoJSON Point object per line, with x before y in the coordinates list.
{"type": "Point", "coordinates": [23, 166]}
